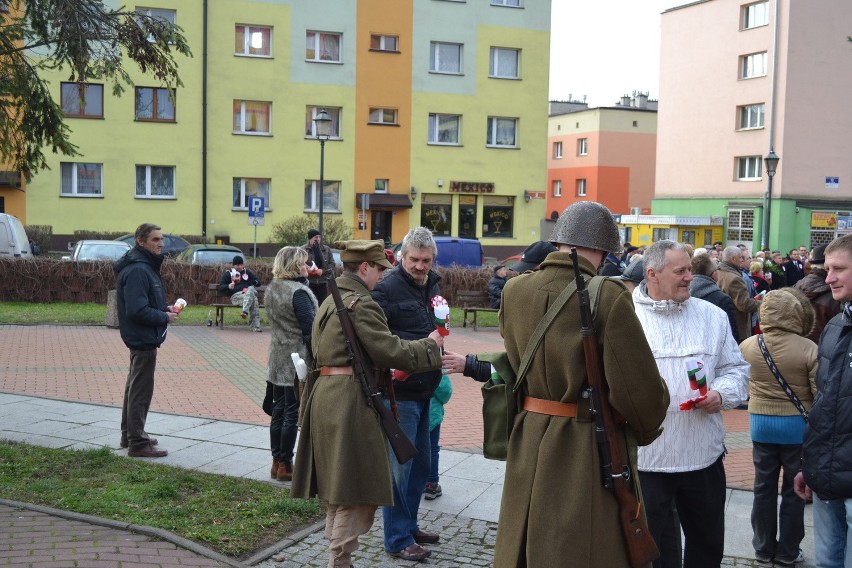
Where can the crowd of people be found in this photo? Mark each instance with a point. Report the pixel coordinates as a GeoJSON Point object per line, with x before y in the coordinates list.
{"type": "Point", "coordinates": [682, 334]}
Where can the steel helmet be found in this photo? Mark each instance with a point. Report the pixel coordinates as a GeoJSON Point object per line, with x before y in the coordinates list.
{"type": "Point", "coordinates": [587, 224]}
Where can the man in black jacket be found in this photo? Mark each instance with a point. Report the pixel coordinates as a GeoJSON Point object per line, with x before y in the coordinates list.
{"type": "Point", "coordinates": [143, 319]}
{"type": "Point", "coordinates": [240, 284]}
{"type": "Point", "coordinates": [406, 295]}
{"type": "Point", "coordinates": [495, 286]}
{"type": "Point", "coordinates": [826, 452]}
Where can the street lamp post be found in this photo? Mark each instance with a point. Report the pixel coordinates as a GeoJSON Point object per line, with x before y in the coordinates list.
{"type": "Point", "coordinates": [322, 124]}
{"type": "Point", "coordinates": [770, 162]}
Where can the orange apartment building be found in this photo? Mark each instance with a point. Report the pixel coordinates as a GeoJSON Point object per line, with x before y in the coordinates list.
{"type": "Point", "coordinates": [604, 154]}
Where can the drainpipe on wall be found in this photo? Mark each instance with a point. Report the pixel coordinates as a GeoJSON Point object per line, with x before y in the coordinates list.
{"type": "Point", "coordinates": [204, 126]}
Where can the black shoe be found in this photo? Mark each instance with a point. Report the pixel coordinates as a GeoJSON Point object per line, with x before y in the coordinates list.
{"type": "Point", "coordinates": [147, 451]}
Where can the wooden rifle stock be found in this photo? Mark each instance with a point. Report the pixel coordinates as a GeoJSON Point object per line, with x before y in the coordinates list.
{"type": "Point", "coordinates": [615, 473]}
{"type": "Point", "coordinates": [402, 447]}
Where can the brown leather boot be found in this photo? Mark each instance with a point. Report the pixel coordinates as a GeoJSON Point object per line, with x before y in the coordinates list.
{"type": "Point", "coordinates": [285, 471]}
{"type": "Point", "coordinates": [274, 472]}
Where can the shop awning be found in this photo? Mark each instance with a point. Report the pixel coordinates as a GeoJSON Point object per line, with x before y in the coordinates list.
{"type": "Point", "coordinates": [385, 201]}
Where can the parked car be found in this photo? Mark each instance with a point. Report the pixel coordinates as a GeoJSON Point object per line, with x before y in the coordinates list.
{"type": "Point", "coordinates": [452, 250]}
{"type": "Point", "coordinates": [14, 242]}
{"type": "Point", "coordinates": [209, 254]}
{"type": "Point", "coordinates": [92, 250]}
{"type": "Point", "coordinates": [510, 261]}
{"type": "Point", "coordinates": [173, 245]}
{"type": "Point", "coordinates": [335, 254]}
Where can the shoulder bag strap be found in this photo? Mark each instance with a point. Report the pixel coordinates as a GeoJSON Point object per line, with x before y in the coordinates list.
{"type": "Point", "coordinates": [548, 318]}
{"type": "Point", "coordinates": [790, 394]}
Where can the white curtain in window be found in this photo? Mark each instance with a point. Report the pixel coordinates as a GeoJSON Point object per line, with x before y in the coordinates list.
{"type": "Point", "coordinates": [329, 47]}
{"type": "Point", "coordinates": [165, 107]}
{"type": "Point", "coordinates": [89, 179]}
{"type": "Point", "coordinates": [446, 57]}
{"type": "Point", "coordinates": [504, 131]}
{"type": "Point", "coordinates": [504, 62]}
{"type": "Point", "coordinates": [448, 129]}
{"type": "Point", "coordinates": [162, 181]}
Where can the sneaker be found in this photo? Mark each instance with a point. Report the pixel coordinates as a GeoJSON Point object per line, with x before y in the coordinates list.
{"type": "Point", "coordinates": [798, 560]}
{"type": "Point", "coordinates": [763, 560]}
{"type": "Point", "coordinates": [432, 491]}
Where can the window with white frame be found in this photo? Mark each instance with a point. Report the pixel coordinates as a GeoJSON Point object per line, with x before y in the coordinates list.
{"type": "Point", "coordinates": [557, 150]}
{"type": "Point", "coordinates": [252, 41]}
{"type": "Point", "coordinates": [86, 101]}
{"type": "Point", "coordinates": [755, 15]}
{"type": "Point", "coordinates": [512, 3]}
{"type": "Point", "coordinates": [751, 116]}
{"type": "Point", "coordinates": [557, 188]}
{"type": "Point", "coordinates": [154, 104]}
{"type": "Point", "coordinates": [753, 65]}
{"type": "Point", "coordinates": [502, 132]}
{"type": "Point", "coordinates": [311, 113]}
{"type": "Point", "coordinates": [155, 181]}
{"type": "Point", "coordinates": [740, 225]}
{"type": "Point", "coordinates": [252, 117]}
{"type": "Point", "coordinates": [81, 180]}
{"type": "Point", "coordinates": [244, 188]}
{"type": "Point", "coordinates": [445, 57]}
{"type": "Point", "coordinates": [505, 63]}
{"type": "Point", "coordinates": [381, 186]}
{"type": "Point", "coordinates": [162, 14]}
{"type": "Point", "coordinates": [323, 46]}
{"type": "Point", "coordinates": [331, 196]}
{"type": "Point", "coordinates": [581, 188]}
{"type": "Point", "coordinates": [445, 129]}
{"type": "Point", "coordinates": [381, 42]}
{"type": "Point", "coordinates": [749, 168]}
{"type": "Point", "coordinates": [383, 116]}
{"type": "Point", "coordinates": [582, 146]}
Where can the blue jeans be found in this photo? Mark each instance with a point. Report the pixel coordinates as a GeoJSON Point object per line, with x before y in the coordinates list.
{"type": "Point", "coordinates": [409, 478]}
{"type": "Point", "coordinates": [832, 533]}
{"type": "Point", "coordinates": [435, 444]}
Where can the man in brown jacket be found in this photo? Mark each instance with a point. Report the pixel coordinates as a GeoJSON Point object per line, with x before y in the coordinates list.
{"type": "Point", "coordinates": [554, 510]}
{"type": "Point", "coordinates": [731, 282]}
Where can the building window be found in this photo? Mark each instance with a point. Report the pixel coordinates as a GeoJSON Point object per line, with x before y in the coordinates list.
{"type": "Point", "coordinates": [557, 150]}
{"type": "Point", "coordinates": [445, 129]}
{"type": "Point", "coordinates": [502, 132]}
{"type": "Point", "coordinates": [755, 15]}
{"type": "Point", "coordinates": [445, 58]}
{"type": "Point", "coordinates": [383, 116]}
{"type": "Point", "coordinates": [252, 117]}
{"type": "Point", "coordinates": [749, 168]}
{"type": "Point", "coordinates": [252, 41]}
{"type": "Point", "coordinates": [155, 181]}
{"type": "Point", "coordinates": [505, 63]}
{"type": "Point", "coordinates": [311, 113]}
{"type": "Point", "coordinates": [513, 3]}
{"type": "Point", "coordinates": [164, 15]}
{"type": "Point", "coordinates": [81, 180]}
{"type": "Point", "coordinates": [753, 65]}
{"type": "Point", "coordinates": [379, 42]}
{"type": "Point", "coordinates": [381, 186]}
{"type": "Point", "coordinates": [557, 188]}
{"type": "Point", "coordinates": [249, 187]}
{"type": "Point", "coordinates": [581, 188]}
{"type": "Point", "coordinates": [740, 226]}
{"type": "Point", "coordinates": [82, 102]}
{"type": "Point", "coordinates": [751, 116]}
{"type": "Point", "coordinates": [436, 213]}
{"type": "Point", "coordinates": [498, 212]}
{"type": "Point", "coordinates": [583, 147]}
{"type": "Point", "coordinates": [331, 196]}
{"type": "Point", "coordinates": [323, 46]}
{"type": "Point", "coordinates": [154, 104]}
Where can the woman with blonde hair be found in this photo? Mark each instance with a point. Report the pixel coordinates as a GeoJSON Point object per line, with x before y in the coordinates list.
{"type": "Point", "coordinates": [290, 308]}
{"type": "Point", "coordinates": [755, 270]}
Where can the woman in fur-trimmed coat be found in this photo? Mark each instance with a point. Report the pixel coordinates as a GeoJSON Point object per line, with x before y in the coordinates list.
{"type": "Point", "coordinates": [290, 307]}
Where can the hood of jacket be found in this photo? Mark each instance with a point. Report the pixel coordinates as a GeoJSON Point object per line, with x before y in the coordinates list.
{"type": "Point", "coordinates": [813, 285]}
{"type": "Point", "coordinates": [643, 300]}
{"type": "Point", "coordinates": [786, 310]}
{"type": "Point", "coordinates": [702, 286]}
{"type": "Point", "coordinates": [138, 254]}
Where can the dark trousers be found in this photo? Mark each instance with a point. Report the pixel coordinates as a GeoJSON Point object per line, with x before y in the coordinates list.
{"type": "Point", "coordinates": [766, 519]}
{"type": "Point", "coordinates": [282, 429]}
{"type": "Point", "coordinates": [320, 291]}
{"type": "Point", "coordinates": [138, 393]}
{"type": "Point", "coordinates": [700, 500]}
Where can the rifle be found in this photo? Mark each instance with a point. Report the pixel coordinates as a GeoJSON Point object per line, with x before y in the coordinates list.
{"type": "Point", "coordinates": [615, 474]}
{"type": "Point", "coordinates": [402, 447]}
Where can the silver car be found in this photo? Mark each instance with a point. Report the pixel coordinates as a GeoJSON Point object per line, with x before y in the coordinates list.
{"type": "Point", "coordinates": [91, 250]}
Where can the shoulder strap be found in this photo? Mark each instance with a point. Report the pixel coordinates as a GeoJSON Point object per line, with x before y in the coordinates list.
{"type": "Point", "coordinates": [790, 394]}
{"type": "Point", "coordinates": [544, 323]}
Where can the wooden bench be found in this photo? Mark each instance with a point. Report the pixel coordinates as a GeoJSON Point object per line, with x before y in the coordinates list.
{"type": "Point", "coordinates": [471, 302]}
{"type": "Point", "coordinates": [220, 306]}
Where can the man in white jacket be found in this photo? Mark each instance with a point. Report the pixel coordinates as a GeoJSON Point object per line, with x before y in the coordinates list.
{"type": "Point", "coordinates": [683, 467]}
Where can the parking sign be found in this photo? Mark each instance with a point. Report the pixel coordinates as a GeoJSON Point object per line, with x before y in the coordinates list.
{"type": "Point", "coordinates": [256, 210]}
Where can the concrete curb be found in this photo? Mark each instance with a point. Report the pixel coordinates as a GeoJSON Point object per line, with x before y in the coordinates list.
{"type": "Point", "coordinates": [292, 539]}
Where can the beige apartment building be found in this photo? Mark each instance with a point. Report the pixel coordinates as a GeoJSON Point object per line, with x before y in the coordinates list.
{"type": "Point", "coordinates": [738, 82]}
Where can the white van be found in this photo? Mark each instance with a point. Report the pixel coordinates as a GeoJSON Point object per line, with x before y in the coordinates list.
{"type": "Point", "coordinates": [14, 242]}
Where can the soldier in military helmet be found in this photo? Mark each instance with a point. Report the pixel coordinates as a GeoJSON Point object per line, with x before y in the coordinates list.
{"type": "Point", "coordinates": [553, 505]}
{"type": "Point", "coordinates": [342, 456]}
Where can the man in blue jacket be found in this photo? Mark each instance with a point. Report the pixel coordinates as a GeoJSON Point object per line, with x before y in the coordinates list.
{"type": "Point", "coordinates": [826, 452]}
{"type": "Point", "coordinates": [143, 319]}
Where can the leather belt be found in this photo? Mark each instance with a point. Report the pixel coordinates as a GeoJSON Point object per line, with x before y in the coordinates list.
{"type": "Point", "coordinates": [551, 407]}
{"type": "Point", "coordinates": [326, 371]}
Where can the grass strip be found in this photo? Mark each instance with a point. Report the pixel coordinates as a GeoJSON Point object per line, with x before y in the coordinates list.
{"type": "Point", "coordinates": [230, 515]}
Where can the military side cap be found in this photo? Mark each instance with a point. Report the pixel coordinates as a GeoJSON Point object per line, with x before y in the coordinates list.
{"type": "Point", "coordinates": [363, 251]}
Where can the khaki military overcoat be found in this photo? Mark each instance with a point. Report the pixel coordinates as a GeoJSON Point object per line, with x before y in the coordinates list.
{"type": "Point", "coordinates": [554, 510]}
{"type": "Point", "coordinates": [342, 455]}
